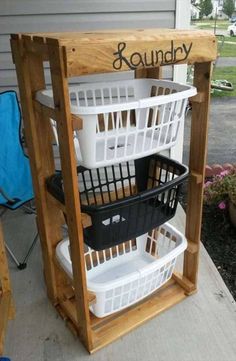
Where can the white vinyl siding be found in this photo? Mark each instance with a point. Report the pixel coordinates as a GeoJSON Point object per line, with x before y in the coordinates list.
{"type": "Point", "coordinates": [71, 15]}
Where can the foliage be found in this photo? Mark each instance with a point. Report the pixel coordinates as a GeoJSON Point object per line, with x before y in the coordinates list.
{"type": "Point", "coordinates": [228, 7]}
{"type": "Point", "coordinates": [221, 189]}
{"type": "Point", "coordinates": [206, 7]}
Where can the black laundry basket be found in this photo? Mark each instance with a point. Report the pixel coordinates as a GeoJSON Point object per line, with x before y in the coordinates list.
{"type": "Point", "coordinates": [126, 200]}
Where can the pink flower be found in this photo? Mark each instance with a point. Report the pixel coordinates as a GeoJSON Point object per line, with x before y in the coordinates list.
{"type": "Point", "coordinates": [222, 205]}
{"type": "Point", "coordinates": [224, 173]}
{"type": "Point", "coordinates": [207, 184]}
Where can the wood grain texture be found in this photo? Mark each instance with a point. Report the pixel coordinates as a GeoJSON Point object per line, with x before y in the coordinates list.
{"type": "Point", "coordinates": [72, 201]}
{"type": "Point", "coordinates": [121, 50]}
{"type": "Point", "coordinates": [29, 68]}
{"type": "Point", "coordinates": [197, 163]}
{"type": "Point", "coordinates": [90, 52]}
{"type": "Point", "coordinates": [6, 303]}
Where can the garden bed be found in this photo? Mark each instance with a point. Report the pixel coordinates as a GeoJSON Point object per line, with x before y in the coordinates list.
{"type": "Point", "coordinates": [219, 238]}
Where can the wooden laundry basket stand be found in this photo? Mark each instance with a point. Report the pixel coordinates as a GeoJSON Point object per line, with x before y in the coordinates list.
{"type": "Point", "coordinates": [7, 310]}
{"type": "Point", "coordinates": [75, 54]}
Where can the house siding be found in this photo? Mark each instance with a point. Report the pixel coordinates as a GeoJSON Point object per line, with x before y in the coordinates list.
{"type": "Point", "coordinates": [71, 15]}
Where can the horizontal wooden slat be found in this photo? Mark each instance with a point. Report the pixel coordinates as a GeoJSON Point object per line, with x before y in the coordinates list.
{"type": "Point", "coordinates": [29, 7]}
{"type": "Point", "coordinates": [121, 50]}
{"type": "Point", "coordinates": [76, 22]}
{"type": "Point", "coordinates": [123, 322]}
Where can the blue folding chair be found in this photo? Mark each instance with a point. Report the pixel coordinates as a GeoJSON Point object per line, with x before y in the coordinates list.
{"type": "Point", "coordinates": [15, 177]}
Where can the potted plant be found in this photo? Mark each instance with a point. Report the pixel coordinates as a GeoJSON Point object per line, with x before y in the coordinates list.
{"type": "Point", "coordinates": [220, 191]}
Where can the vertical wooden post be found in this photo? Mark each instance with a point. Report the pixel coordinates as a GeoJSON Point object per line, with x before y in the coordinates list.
{"type": "Point", "coordinates": [6, 304]}
{"type": "Point", "coordinates": [155, 73]}
{"type": "Point", "coordinates": [30, 75]}
{"type": "Point", "coordinates": [72, 201]}
{"type": "Point", "coordinates": [197, 162]}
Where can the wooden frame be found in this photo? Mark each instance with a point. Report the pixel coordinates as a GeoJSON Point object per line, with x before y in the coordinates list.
{"type": "Point", "coordinates": [68, 54]}
{"type": "Point", "coordinates": [7, 310]}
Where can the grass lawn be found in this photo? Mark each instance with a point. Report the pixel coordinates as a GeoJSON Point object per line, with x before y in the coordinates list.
{"type": "Point", "coordinates": [228, 73]}
{"type": "Point", "coordinates": [210, 24]}
{"type": "Point", "coordinates": [228, 50]}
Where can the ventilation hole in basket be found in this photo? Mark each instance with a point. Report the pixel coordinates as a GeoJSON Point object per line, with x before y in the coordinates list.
{"type": "Point", "coordinates": [118, 291]}
{"type": "Point", "coordinates": [88, 262]}
{"type": "Point", "coordinates": [116, 303]}
{"type": "Point", "coordinates": [127, 287]}
{"type": "Point", "coordinates": [127, 247]}
{"type": "Point", "coordinates": [167, 265]}
{"type": "Point", "coordinates": [142, 280]}
{"type": "Point", "coordinates": [115, 219]}
{"type": "Point", "coordinates": [153, 249]}
{"type": "Point", "coordinates": [153, 284]}
{"type": "Point", "coordinates": [154, 90]}
{"type": "Point", "coordinates": [165, 275]}
{"type": "Point", "coordinates": [162, 269]}
{"type": "Point", "coordinates": [140, 292]}
{"type": "Point", "coordinates": [162, 231]}
{"type": "Point", "coordinates": [159, 281]}
{"type": "Point", "coordinates": [155, 274]}
{"type": "Point", "coordinates": [168, 235]}
{"type": "Point", "coordinates": [148, 245]}
{"type": "Point", "coordinates": [114, 252]}
{"type": "Point", "coordinates": [147, 288]}
{"type": "Point", "coordinates": [125, 299]}
{"type": "Point", "coordinates": [101, 257]}
{"type": "Point", "coordinates": [170, 272]}
{"type": "Point", "coordinates": [107, 253]}
{"type": "Point", "coordinates": [134, 244]}
{"type": "Point", "coordinates": [121, 249]}
{"type": "Point", "coordinates": [173, 238]}
{"type": "Point", "coordinates": [135, 284]}
{"type": "Point", "coordinates": [120, 145]}
{"type": "Point", "coordinates": [108, 306]}
{"type": "Point", "coordinates": [109, 294]}
{"type": "Point", "coordinates": [94, 258]}
{"type": "Point", "coordinates": [132, 297]}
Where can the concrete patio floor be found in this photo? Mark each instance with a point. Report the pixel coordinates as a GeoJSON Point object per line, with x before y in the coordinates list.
{"type": "Point", "coordinates": [201, 328]}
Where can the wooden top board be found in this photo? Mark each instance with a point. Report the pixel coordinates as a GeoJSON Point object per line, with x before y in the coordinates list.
{"type": "Point", "coordinates": [120, 50]}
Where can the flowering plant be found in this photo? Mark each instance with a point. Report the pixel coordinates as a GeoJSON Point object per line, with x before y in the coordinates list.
{"type": "Point", "coordinates": [221, 189]}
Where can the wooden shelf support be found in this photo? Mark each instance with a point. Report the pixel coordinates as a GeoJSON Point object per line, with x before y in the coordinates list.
{"type": "Point", "coordinates": [73, 54]}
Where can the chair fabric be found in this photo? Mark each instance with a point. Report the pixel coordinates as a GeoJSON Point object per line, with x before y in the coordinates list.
{"type": "Point", "coordinates": [15, 174]}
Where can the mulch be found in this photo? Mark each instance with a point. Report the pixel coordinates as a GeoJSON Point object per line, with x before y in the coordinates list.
{"type": "Point", "coordinates": [219, 238]}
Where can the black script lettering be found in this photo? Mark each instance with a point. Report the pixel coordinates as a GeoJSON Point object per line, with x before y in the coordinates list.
{"type": "Point", "coordinates": [139, 61]}
{"type": "Point", "coordinates": [153, 58]}
{"type": "Point", "coordinates": [170, 54]}
{"type": "Point", "coordinates": [151, 63]}
{"type": "Point", "coordinates": [176, 51]}
{"type": "Point", "coordinates": [157, 61]}
{"type": "Point", "coordinates": [187, 51]}
{"type": "Point", "coordinates": [117, 63]}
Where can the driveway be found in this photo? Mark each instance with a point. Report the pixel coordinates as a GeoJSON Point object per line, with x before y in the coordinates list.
{"type": "Point", "coordinates": [222, 132]}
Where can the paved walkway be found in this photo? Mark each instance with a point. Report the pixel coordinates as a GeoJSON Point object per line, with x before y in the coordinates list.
{"type": "Point", "coordinates": [202, 327]}
{"type": "Point", "coordinates": [222, 132]}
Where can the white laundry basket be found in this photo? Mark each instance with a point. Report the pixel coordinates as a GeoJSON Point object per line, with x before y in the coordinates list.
{"type": "Point", "coordinates": [126, 119]}
{"type": "Point", "coordinates": [122, 275]}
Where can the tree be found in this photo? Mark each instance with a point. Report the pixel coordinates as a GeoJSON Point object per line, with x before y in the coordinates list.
{"type": "Point", "coordinates": [206, 7]}
{"type": "Point", "coordinates": [228, 7]}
